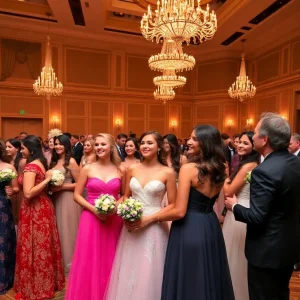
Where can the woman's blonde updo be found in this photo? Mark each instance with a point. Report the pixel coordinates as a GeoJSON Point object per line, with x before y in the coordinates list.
{"type": "Point", "coordinates": [114, 156]}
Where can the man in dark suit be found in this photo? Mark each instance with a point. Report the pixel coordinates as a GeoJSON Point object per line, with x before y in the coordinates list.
{"type": "Point", "coordinates": [120, 144]}
{"type": "Point", "coordinates": [272, 239]}
{"type": "Point", "coordinates": [229, 149]}
{"type": "Point", "coordinates": [77, 148]}
{"type": "Point", "coordinates": [294, 148]}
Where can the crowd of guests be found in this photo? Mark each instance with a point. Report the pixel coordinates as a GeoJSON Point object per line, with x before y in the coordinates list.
{"type": "Point", "coordinates": [177, 249]}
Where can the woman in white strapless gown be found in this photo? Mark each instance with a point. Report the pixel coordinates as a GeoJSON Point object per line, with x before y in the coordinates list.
{"type": "Point", "coordinates": [139, 261]}
{"type": "Point", "coordinates": [235, 232]}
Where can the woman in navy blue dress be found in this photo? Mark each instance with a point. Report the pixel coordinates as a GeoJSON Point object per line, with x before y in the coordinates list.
{"type": "Point", "coordinates": [7, 227]}
{"type": "Point", "coordinates": [196, 265]}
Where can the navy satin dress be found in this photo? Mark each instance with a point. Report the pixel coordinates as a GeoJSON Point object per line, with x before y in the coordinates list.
{"type": "Point", "coordinates": [196, 265]}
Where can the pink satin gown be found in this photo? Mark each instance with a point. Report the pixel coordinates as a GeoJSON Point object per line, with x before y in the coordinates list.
{"type": "Point", "coordinates": [95, 246]}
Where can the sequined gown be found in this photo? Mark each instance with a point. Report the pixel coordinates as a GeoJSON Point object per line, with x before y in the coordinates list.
{"type": "Point", "coordinates": [39, 270]}
{"type": "Point", "coordinates": [7, 243]}
{"type": "Point", "coordinates": [138, 267]}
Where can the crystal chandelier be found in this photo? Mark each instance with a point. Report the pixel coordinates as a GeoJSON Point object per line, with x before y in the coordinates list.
{"type": "Point", "coordinates": [179, 19]}
{"type": "Point", "coordinates": [164, 93]}
{"type": "Point", "coordinates": [171, 57]}
{"type": "Point", "coordinates": [242, 88]}
{"type": "Point", "coordinates": [47, 83]}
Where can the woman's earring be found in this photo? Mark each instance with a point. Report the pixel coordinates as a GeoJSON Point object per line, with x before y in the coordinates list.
{"type": "Point", "coordinates": [158, 151]}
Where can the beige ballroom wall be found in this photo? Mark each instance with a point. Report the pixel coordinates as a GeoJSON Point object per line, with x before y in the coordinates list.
{"type": "Point", "coordinates": [102, 86]}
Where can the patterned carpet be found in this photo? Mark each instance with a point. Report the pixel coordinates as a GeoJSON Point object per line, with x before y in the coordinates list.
{"type": "Point", "coordinates": [294, 285]}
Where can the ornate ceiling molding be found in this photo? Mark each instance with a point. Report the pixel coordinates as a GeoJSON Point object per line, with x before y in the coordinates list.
{"type": "Point", "coordinates": [153, 3]}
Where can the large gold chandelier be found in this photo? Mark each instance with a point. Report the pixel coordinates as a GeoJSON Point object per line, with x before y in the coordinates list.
{"type": "Point", "coordinates": [175, 22]}
{"type": "Point", "coordinates": [242, 88]}
{"type": "Point", "coordinates": [47, 84]}
{"type": "Point", "coordinates": [179, 19]}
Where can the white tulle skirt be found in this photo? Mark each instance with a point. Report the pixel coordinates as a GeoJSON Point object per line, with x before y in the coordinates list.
{"type": "Point", "coordinates": [139, 263]}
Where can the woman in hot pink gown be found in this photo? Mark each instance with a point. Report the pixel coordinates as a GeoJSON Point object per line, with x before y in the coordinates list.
{"type": "Point", "coordinates": [97, 234]}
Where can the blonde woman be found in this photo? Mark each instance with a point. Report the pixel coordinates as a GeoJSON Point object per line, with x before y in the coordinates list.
{"type": "Point", "coordinates": [89, 155]}
{"type": "Point", "coordinates": [97, 234]}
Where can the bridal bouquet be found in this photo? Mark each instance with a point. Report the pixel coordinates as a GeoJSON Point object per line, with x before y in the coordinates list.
{"type": "Point", "coordinates": [130, 209]}
{"type": "Point", "coordinates": [105, 203]}
{"type": "Point", "coordinates": [248, 177]}
{"type": "Point", "coordinates": [57, 178]}
{"type": "Point", "coordinates": [6, 176]}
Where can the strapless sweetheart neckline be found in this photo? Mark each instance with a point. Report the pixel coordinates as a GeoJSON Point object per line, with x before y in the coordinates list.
{"type": "Point", "coordinates": [143, 187]}
{"type": "Point", "coordinates": [107, 182]}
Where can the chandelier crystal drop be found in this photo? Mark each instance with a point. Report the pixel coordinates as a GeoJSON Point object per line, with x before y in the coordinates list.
{"type": "Point", "coordinates": [47, 84]}
{"type": "Point", "coordinates": [171, 57]}
{"type": "Point", "coordinates": [169, 79]}
{"type": "Point", "coordinates": [164, 94]}
{"type": "Point", "coordinates": [242, 88]}
{"type": "Point", "coordinates": [179, 19]}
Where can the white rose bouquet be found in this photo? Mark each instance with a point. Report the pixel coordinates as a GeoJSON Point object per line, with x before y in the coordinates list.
{"type": "Point", "coordinates": [6, 176]}
{"type": "Point", "coordinates": [57, 178]}
{"type": "Point", "coordinates": [130, 209]}
{"type": "Point", "coordinates": [105, 203]}
{"type": "Point", "coordinates": [248, 177]}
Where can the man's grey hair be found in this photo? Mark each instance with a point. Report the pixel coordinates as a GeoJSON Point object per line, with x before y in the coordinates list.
{"type": "Point", "coordinates": [296, 136]}
{"type": "Point", "coordinates": [277, 129]}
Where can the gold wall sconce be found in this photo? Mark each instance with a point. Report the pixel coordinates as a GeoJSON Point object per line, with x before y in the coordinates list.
{"type": "Point", "coordinates": [249, 123]}
{"type": "Point", "coordinates": [118, 123]}
{"type": "Point", "coordinates": [173, 125]}
{"type": "Point", "coordinates": [55, 121]}
{"type": "Point", "coordinates": [229, 124]}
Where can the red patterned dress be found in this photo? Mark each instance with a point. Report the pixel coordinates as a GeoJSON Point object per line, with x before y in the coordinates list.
{"type": "Point", "coordinates": [39, 269]}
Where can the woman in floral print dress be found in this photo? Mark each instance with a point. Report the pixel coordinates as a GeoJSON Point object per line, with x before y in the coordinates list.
{"type": "Point", "coordinates": [39, 271]}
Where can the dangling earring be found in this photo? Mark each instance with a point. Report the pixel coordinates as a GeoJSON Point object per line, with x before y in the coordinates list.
{"type": "Point", "coordinates": [158, 151]}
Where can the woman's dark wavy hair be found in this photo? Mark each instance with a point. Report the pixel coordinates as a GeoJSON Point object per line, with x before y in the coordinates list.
{"type": "Point", "coordinates": [17, 144]}
{"type": "Point", "coordinates": [136, 144]}
{"type": "Point", "coordinates": [211, 160]}
{"type": "Point", "coordinates": [252, 157]}
{"type": "Point", "coordinates": [3, 154]}
{"type": "Point", "coordinates": [65, 141]}
{"type": "Point", "coordinates": [175, 151]}
{"type": "Point", "coordinates": [33, 144]}
{"type": "Point", "coordinates": [161, 156]}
